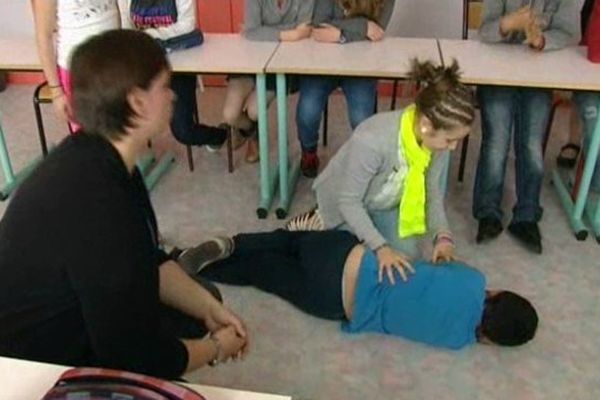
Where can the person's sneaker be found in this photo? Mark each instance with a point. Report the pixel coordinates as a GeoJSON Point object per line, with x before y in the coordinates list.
{"type": "Point", "coordinates": [309, 221]}
{"type": "Point", "coordinates": [309, 164]}
{"type": "Point", "coordinates": [528, 233]}
{"type": "Point", "coordinates": [218, 137]}
{"type": "Point", "coordinates": [194, 259]}
{"type": "Point", "coordinates": [489, 228]}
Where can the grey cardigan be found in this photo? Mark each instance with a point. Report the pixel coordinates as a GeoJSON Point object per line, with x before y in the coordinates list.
{"type": "Point", "coordinates": [356, 175]}
{"type": "Point", "coordinates": [560, 19]}
{"type": "Point", "coordinates": [263, 21]}
{"type": "Point", "coordinates": [353, 29]}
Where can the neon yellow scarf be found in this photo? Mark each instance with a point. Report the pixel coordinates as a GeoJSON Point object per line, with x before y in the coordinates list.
{"type": "Point", "coordinates": [411, 213]}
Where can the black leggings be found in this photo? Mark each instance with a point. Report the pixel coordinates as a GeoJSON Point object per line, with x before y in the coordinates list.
{"type": "Point", "coordinates": [304, 268]}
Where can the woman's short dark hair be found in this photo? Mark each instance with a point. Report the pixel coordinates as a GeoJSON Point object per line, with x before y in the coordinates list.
{"type": "Point", "coordinates": [104, 69]}
{"type": "Point", "coordinates": [508, 319]}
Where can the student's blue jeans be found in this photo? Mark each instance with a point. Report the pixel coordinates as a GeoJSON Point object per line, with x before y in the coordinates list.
{"type": "Point", "coordinates": [587, 107]}
{"type": "Point", "coordinates": [505, 110]}
{"type": "Point", "coordinates": [360, 96]}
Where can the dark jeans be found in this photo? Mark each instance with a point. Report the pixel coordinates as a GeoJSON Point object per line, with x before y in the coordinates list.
{"type": "Point", "coordinates": [184, 126]}
{"type": "Point", "coordinates": [360, 96]}
{"type": "Point", "coordinates": [304, 268]}
{"type": "Point", "coordinates": [528, 111]}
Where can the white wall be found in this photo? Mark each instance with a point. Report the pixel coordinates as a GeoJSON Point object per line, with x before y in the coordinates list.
{"type": "Point", "coordinates": [16, 19]}
{"type": "Point", "coordinates": [427, 18]}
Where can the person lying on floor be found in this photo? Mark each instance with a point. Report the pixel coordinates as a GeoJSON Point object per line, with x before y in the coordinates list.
{"type": "Point", "coordinates": [330, 275]}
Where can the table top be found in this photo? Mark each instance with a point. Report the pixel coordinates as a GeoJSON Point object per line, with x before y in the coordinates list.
{"type": "Point", "coordinates": [515, 65]}
{"type": "Point", "coordinates": [224, 53]}
{"type": "Point", "coordinates": [220, 53]}
{"type": "Point", "coordinates": [389, 58]}
{"type": "Point", "coordinates": [19, 54]}
{"type": "Point", "coordinates": [29, 380]}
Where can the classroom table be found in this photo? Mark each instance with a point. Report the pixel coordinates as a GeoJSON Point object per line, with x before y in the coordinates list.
{"type": "Point", "coordinates": [233, 54]}
{"type": "Point", "coordinates": [219, 54]}
{"type": "Point", "coordinates": [389, 58]}
{"type": "Point", "coordinates": [566, 69]}
{"type": "Point", "coordinates": [29, 380]}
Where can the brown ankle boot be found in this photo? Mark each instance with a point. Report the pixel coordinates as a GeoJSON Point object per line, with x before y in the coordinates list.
{"type": "Point", "coordinates": [252, 155]}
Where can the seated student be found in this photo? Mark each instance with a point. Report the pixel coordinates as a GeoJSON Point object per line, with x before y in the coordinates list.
{"type": "Point", "coordinates": [173, 24]}
{"type": "Point", "coordinates": [339, 21]}
{"type": "Point", "coordinates": [384, 184]}
{"type": "Point", "coordinates": [542, 26]}
{"type": "Point", "coordinates": [330, 275]}
{"type": "Point", "coordinates": [82, 279]}
{"type": "Point", "coordinates": [269, 21]}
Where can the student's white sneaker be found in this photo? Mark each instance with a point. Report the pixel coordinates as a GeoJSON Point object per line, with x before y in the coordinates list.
{"type": "Point", "coordinates": [309, 221]}
{"type": "Point", "coordinates": [195, 259]}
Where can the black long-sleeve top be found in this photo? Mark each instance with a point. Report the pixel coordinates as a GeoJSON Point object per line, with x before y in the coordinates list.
{"type": "Point", "coordinates": [79, 266]}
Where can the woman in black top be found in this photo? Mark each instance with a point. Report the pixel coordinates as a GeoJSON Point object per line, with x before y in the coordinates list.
{"type": "Point", "coordinates": [82, 278]}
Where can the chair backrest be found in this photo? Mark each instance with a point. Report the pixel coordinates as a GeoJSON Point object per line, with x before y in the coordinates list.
{"type": "Point", "coordinates": [472, 12]}
{"type": "Point", "coordinates": [475, 13]}
{"type": "Point", "coordinates": [426, 18]}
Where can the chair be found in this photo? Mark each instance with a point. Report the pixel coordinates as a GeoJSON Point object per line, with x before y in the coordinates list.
{"type": "Point", "coordinates": [42, 95]}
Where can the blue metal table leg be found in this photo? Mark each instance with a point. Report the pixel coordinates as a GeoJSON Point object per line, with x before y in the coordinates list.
{"type": "Point", "coordinates": [12, 181]}
{"type": "Point", "coordinates": [267, 187]}
{"type": "Point", "coordinates": [288, 171]}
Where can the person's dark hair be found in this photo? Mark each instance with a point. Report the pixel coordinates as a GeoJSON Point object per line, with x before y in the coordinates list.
{"type": "Point", "coordinates": [442, 98]}
{"type": "Point", "coordinates": [508, 319]}
{"type": "Point", "coordinates": [104, 70]}
{"type": "Point", "coordinates": [370, 9]}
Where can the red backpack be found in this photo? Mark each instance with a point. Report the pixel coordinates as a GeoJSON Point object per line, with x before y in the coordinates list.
{"type": "Point", "coordinates": [101, 384]}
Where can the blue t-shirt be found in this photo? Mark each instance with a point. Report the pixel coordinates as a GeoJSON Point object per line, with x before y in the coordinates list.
{"type": "Point", "coordinates": [440, 305]}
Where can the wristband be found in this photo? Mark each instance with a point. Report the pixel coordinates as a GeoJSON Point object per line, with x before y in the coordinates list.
{"type": "Point", "coordinates": [215, 361]}
{"type": "Point", "coordinates": [375, 250]}
{"type": "Point", "coordinates": [444, 239]}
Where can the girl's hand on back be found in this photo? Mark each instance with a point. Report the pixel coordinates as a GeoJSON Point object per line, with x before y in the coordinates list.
{"type": "Point", "coordinates": [374, 32]}
{"type": "Point", "coordinates": [326, 33]}
{"type": "Point", "coordinates": [390, 259]}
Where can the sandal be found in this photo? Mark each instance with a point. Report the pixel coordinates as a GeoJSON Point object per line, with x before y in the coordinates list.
{"type": "Point", "coordinates": [565, 161]}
